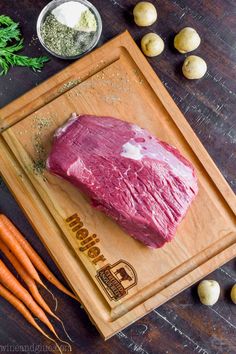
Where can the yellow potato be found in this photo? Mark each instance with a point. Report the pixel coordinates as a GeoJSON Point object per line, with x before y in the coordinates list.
{"type": "Point", "coordinates": [194, 67]}
{"type": "Point", "coordinates": [187, 40]}
{"type": "Point", "coordinates": [233, 294]}
{"type": "Point", "coordinates": [152, 45]}
{"type": "Point", "coordinates": [208, 292]}
{"type": "Point", "coordinates": [145, 14]}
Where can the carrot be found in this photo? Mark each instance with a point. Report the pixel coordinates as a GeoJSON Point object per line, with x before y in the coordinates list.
{"type": "Point", "coordinates": [30, 283]}
{"type": "Point", "coordinates": [27, 279]}
{"type": "Point", "coordinates": [11, 283]}
{"type": "Point", "coordinates": [7, 237]}
{"type": "Point", "coordinates": [34, 257]}
{"type": "Point", "coordinates": [18, 251]}
{"type": "Point", "coordinates": [20, 307]}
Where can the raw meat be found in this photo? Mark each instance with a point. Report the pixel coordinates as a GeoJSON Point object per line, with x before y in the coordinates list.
{"type": "Point", "coordinates": [142, 183]}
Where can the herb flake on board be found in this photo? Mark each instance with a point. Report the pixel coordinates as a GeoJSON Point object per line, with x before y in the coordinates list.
{"type": "Point", "coordinates": [39, 163]}
{"type": "Point", "coordinates": [69, 85]}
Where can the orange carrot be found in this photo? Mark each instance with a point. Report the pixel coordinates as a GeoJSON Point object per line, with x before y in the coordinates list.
{"type": "Point", "coordinates": [11, 283]}
{"type": "Point", "coordinates": [30, 283]}
{"type": "Point", "coordinates": [26, 278]}
{"type": "Point", "coordinates": [7, 237]}
{"type": "Point", "coordinates": [20, 307]}
{"type": "Point", "coordinates": [18, 251]}
{"type": "Point", "coordinates": [33, 256]}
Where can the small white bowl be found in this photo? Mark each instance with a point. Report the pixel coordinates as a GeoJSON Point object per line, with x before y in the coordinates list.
{"type": "Point", "coordinates": [50, 7]}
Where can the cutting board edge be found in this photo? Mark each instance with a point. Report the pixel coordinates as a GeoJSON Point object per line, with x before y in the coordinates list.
{"type": "Point", "coordinates": [127, 43]}
{"type": "Point", "coordinates": [153, 303]}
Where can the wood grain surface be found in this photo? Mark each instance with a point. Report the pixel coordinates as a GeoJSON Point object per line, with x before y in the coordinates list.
{"type": "Point", "coordinates": [124, 81]}
{"type": "Point", "coordinates": [182, 325]}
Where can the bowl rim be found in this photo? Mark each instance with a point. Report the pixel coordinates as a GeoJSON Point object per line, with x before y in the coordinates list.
{"type": "Point", "coordinates": [44, 11]}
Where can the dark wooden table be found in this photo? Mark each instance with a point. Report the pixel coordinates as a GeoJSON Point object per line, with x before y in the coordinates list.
{"type": "Point", "coordinates": [182, 325]}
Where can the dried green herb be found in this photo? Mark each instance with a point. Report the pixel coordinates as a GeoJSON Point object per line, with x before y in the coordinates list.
{"type": "Point", "coordinates": [68, 85]}
{"type": "Point", "coordinates": [64, 40]}
{"type": "Point", "coordinates": [39, 166]}
{"type": "Point", "coordinates": [40, 124]}
{"type": "Point", "coordinates": [9, 32]}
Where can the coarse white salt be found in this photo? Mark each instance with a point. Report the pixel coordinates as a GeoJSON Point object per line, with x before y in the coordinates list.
{"type": "Point", "coordinates": [69, 13]}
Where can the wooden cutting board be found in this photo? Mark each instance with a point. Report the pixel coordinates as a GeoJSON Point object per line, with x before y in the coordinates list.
{"type": "Point", "coordinates": [117, 279]}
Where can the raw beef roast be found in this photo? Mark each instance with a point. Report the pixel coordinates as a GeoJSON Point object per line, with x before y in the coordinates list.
{"type": "Point", "coordinates": [142, 183]}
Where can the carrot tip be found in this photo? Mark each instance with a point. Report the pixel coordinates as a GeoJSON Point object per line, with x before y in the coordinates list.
{"type": "Point", "coordinates": [63, 326]}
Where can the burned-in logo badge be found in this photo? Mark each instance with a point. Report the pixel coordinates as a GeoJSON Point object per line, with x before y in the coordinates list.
{"type": "Point", "coordinates": [117, 279]}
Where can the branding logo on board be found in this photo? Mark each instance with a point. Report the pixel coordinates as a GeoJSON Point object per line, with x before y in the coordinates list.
{"type": "Point", "coordinates": [116, 279]}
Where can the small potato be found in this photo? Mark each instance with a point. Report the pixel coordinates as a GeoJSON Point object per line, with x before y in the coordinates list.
{"type": "Point", "coordinates": [152, 45]}
{"type": "Point", "coordinates": [187, 40]}
{"type": "Point", "coordinates": [194, 67]}
{"type": "Point", "coordinates": [233, 294]}
{"type": "Point", "coordinates": [208, 292]}
{"type": "Point", "coordinates": [145, 14]}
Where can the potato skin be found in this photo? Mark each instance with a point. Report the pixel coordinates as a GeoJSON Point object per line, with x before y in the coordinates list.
{"type": "Point", "coordinates": [145, 14]}
{"type": "Point", "coordinates": [233, 294]}
{"type": "Point", "coordinates": [208, 292]}
{"type": "Point", "coordinates": [194, 67]}
{"type": "Point", "coordinates": [152, 45]}
{"type": "Point", "coordinates": [187, 40]}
